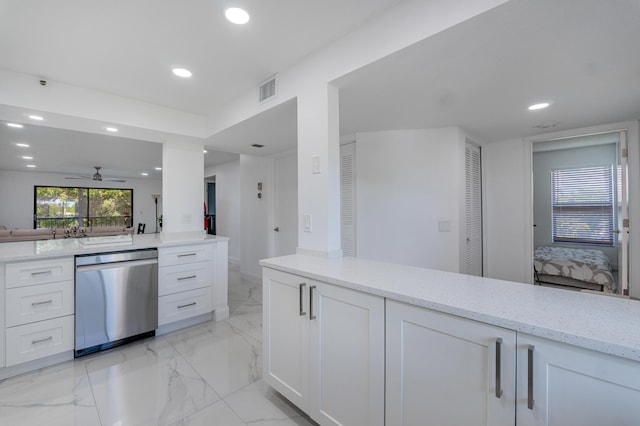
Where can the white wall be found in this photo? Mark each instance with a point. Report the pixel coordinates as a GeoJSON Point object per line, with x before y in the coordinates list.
{"type": "Point", "coordinates": [407, 182]}
{"type": "Point", "coordinates": [228, 220]}
{"type": "Point", "coordinates": [16, 191]}
{"type": "Point", "coordinates": [254, 212]}
{"type": "Point", "coordinates": [505, 203]}
{"type": "Point", "coordinates": [546, 161]}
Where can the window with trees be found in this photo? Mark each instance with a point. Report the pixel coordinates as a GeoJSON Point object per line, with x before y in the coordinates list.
{"type": "Point", "coordinates": [64, 207]}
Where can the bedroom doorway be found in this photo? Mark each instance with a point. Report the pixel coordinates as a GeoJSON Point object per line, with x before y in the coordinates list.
{"type": "Point", "coordinates": [580, 212]}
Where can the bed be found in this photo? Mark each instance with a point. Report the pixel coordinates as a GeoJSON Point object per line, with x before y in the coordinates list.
{"type": "Point", "coordinates": [578, 268]}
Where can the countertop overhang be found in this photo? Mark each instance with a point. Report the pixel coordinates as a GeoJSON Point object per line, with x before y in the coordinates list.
{"type": "Point", "coordinates": [602, 323]}
{"type": "Point", "coordinates": [34, 250]}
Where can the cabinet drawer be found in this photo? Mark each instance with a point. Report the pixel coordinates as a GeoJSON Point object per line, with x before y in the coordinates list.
{"type": "Point", "coordinates": [176, 278]}
{"type": "Point", "coordinates": [39, 272]}
{"type": "Point", "coordinates": [39, 339]}
{"type": "Point", "coordinates": [185, 254]}
{"type": "Point", "coordinates": [39, 302]}
{"type": "Point", "coordinates": [179, 306]}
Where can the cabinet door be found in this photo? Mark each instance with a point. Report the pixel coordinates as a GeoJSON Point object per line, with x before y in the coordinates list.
{"type": "Point", "coordinates": [286, 335]}
{"type": "Point", "coordinates": [574, 386]}
{"type": "Point", "coordinates": [347, 356]}
{"type": "Point", "coordinates": [441, 370]}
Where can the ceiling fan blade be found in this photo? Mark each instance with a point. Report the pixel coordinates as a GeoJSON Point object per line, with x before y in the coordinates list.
{"type": "Point", "coordinates": [113, 179]}
{"type": "Point", "coordinates": [77, 177]}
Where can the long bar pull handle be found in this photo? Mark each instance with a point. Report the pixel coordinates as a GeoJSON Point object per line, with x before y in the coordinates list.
{"type": "Point", "coordinates": [34, 342]}
{"type": "Point", "coordinates": [311, 316]}
{"type": "Point", "coordinates": [302, 285]}
{"type": "Point", "coordinates": [188, 304]}
{"type": "Point", "coordinates": [42, 303]}
{"type": "Point", "coordinates": [49, 271]}
{"type": "Point", "coordinates": [498, 369]}
{"type": "Point", "coordinates": [188, 254]}
{"type": "Point", "coordinates": [530, 377]}
{"type": "Point", "coordinates": [186, 278]}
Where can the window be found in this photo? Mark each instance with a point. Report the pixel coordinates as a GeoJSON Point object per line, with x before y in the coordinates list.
{"type": "Point", "coordinates": [582, 205]}
{"type": "Point", "coordinates": [64, 207]}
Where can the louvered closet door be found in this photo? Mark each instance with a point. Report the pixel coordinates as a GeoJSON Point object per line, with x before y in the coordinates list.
{"type": "Point", "coordinates": [473, 211]}
{"type": "Point", "coordinates": [347, 199]}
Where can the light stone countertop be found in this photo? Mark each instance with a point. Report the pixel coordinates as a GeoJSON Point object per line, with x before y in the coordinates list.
{"type": "Point", "coordinates": [606, 324]}
{"type": "Point", "coordinates": [37, 250]}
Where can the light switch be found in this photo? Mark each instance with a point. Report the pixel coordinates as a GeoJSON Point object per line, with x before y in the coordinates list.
{"type": "Point", "coordinates": [444, 226]}
{"type": "Point", "coordinates": [306, 220]}
{"type": "Point", "coordinates": [315, 164]}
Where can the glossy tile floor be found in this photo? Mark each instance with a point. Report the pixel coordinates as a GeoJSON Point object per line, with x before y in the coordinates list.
{"type": "Point", "coordinates": [208, 374]}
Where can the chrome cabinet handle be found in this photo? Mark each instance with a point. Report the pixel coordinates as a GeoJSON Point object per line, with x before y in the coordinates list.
{"type": "Point", "coordinates": [498, 367]}
{"type": "Point", "coordinates": [33, 342]}
{"type": "Point", "coordinates": [188, 254]}
{"type": "Point", "coordinates": [188, 304]}
{"type": "Point", "coordinates": [311, 316]}
{"type": "Point", "coordinates": [42, 272]}
{"type": "Point", "coordinates": [42, 303]}
{"type": "Point", "coordinates": [530, 377]}
{"type": "Point", "coordinates": [186, 278]}
{"type": "Point", "coordinates": [301, 289]}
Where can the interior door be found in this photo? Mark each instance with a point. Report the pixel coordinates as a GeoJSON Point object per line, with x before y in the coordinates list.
{"type": "Point", "coordinates": [623, 226]}
{"type": "Point", "coordinates": [285, 228]}
{"type": "Point", "coordinates": [473, 211]}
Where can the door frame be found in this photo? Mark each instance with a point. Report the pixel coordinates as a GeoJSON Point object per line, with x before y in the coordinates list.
{"type": "Point", "coordinates": [633, 179]}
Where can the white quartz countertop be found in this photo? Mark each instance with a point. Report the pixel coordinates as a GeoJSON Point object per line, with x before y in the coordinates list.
{"type": "Point", "coordinates": [34, 250]}
{"type": "Point", "coordinates": [605, 324]}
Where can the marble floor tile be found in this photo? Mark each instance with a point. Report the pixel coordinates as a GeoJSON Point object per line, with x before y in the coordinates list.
{"type": "Point", "coordinates": [225, 357]}
{"type": "Point", "coordinates": [58, 395]}
{"type": "Point", "coordinates": [218, 414]}
{"type": "Point", "coordinates": [245, 295]}
{"type": "Point", "coordinates": [259, 404]}
{"type": "Point", "coordinates": [147, 383]}
{"type": "Point", "coordinates": [250, 323]}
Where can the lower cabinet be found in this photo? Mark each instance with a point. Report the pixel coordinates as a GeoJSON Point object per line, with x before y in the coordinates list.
{"type": "Point", "coordinates": [447, 370]}
{"type": "Point", "coordinates": [560, 384]}
{"type": "Point", "coordinates": [324, 349]}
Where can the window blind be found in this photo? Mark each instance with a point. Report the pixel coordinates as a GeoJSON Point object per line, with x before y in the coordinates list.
{"type": "Point", "coordinates": [582, 205]}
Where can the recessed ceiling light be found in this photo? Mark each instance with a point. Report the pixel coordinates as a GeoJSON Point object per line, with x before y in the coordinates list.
{"type": "Point", "coordinates": [158, 168]}
{"type": "Point", "coordinates": [22, 145]}
{"type": "Point", "coordinates": [31, 166]}
{"type": "Point", "coordinates": [27, 157]}
{"type": "Point", "coordinates": [16, 125]}
{"type": "Point", "coordinates": [541, 105]}
{"type": "Point", "coordinates": [237, 15]}
{"type": "Point", "coordinates": [204, 151]}
{"type": "Point", "coordinates": [144, 174]}
{"type": "Point", "coordinates": [182, 72]}
{"type": "Point", "coordinates": [112, 129]}
{"type": "Point", "coordinates": [36, 117]}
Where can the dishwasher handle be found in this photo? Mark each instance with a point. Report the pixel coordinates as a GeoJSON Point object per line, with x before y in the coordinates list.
{"type": "Point", "coordinates": [114, 265]}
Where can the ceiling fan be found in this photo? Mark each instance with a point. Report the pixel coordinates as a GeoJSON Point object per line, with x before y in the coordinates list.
{"type": "Point", "coordinates": [96, 176]}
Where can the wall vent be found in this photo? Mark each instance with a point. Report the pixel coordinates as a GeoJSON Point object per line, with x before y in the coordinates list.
{"type": "Point", "coordinates": [267, 89]}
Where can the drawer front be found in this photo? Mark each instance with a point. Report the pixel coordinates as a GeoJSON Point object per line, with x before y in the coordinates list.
{"type": "Point", "coordinates": [179, 306]}
{"type": "Point", "coordinates": [185, 254]}
{"type": "Point", "coordinates": [39, 302]}
{"type": "Point", "coordinates": [39, 272]}
{"type": "Point", "coordinates": [177, 278]}
{"type": "Point", "coordinates": [38, 340]}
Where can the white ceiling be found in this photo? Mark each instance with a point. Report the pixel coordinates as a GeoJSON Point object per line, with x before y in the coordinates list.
{"type": "Point", "coordinates": [582, 55]}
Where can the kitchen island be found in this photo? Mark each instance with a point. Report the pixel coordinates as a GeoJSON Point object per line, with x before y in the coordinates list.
{"type": "Point", "coordinates": [353, 341]}
{"type": "Point", "coordinates": [37, 290]}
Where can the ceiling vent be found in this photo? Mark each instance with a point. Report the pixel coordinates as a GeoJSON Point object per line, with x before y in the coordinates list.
{"type": "Point", "coordinates": [267, 89]}
{"type": "Point", "coordinates": [549, 125]}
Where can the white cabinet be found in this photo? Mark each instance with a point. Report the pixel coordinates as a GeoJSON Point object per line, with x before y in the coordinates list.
{"type": "Point", "coordinates": [447, 370]}
{"type": "Point", "coordinates": [324, 349]}
{"type": "Point", "coordinates": [560, 384]}
{"type": "Point", "coordinates": [39, 307]}
{"type": "Point", "coordinates": [185, 282]}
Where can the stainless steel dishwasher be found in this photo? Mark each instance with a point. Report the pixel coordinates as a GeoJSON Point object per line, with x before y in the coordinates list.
{"type": "Point", "coordinates": [116, 299]}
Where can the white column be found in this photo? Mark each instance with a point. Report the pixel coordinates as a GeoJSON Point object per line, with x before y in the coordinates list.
{"type": "Point", "coordinates": [182, 183]}
{"type": "Point", "coordinates": [319, 171]}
